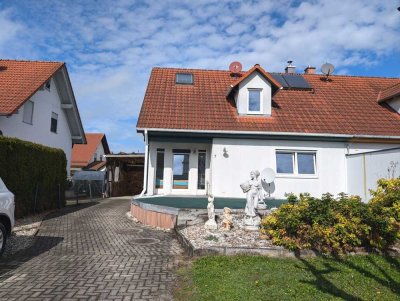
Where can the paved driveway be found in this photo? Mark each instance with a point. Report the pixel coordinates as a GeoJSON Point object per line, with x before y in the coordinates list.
{"type": "Point", "coordinates": [92, 252]}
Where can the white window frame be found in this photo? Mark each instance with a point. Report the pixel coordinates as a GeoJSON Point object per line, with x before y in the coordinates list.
{"type": "Point", "coordinates": [248, 101]}
{"type": "Point", "coordinates": [23, 113]}
{"type": "Point", "coordinates": [296, 173]}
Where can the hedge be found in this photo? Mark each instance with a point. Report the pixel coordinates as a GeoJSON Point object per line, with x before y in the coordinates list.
{"type": "Point", "coordinates": [35, 173]}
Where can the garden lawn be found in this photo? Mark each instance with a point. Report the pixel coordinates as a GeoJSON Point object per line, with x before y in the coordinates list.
{"type": "Point", "coordinates": [249, 278]}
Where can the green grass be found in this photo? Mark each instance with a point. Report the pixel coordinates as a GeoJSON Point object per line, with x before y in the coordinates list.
{"type": "Point", "coordinates": [250, 278]}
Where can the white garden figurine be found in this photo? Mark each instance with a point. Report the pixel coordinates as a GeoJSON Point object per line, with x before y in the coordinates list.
{"type": "Point", "coordinates": [211, 224]}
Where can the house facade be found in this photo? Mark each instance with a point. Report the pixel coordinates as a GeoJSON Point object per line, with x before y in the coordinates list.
{"type": "Point", "coordinates": [37, 104]}
{"type": "Point", "coordinates": [205, 130]}
{"type": "Point", "coordinates": [90, 156]}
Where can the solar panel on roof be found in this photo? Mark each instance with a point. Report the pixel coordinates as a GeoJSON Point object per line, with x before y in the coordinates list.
{"type": "Point", "coordinates": [278, 77]}
{"type": "Point", "coordinates": [296, 81]}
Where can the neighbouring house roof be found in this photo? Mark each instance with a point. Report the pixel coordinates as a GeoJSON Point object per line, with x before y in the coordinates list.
{"type": "Point", "coordinates": [83, 153]}
{"type": "Point", "coordinates": [96, 165]}
{"type": "Point", "coordinates": [20, 80]}
{"type": "Point", "coordinates": [343, 105]}
{"type": "Point", "coordinates": [389, 93]}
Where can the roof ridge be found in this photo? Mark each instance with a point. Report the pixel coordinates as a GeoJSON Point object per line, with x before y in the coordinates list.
{"type": "Point", "coordinates": [30, 61]}
{"type": "Point", "coordinates": [275, 72]}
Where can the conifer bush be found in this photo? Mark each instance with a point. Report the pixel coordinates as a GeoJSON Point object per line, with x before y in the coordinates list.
{"type": "Point", "coordinates": [35, 173]}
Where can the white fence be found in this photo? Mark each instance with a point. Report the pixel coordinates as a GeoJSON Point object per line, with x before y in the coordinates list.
{"type": "Point", "coordinates": [364, 169]}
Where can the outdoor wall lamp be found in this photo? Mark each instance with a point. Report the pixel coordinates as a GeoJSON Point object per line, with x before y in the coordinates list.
{"type": "Point", "coordinates": [225, 152]}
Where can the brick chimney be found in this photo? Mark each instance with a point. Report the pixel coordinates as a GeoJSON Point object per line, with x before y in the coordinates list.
{"type": "Point", "coordinates": [309, 70]}
{"type": "Point", "coordinates": [290, 68]}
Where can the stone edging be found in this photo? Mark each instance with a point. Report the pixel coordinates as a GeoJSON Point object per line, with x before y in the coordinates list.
{"type": "Point", "coordinates": [277, 251]}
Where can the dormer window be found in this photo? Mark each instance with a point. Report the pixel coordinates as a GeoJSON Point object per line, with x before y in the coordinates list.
{"type": "Point", "coordinates": [184, 78]}
{"type": "Point", "coordinates": [254, 103]}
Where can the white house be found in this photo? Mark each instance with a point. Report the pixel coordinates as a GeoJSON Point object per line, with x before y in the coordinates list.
{"type": "Point", "coordinates": [37, 104]}
{"type": "Point", "coordinates": [90, 156]}
{"type": "Point", "coordinates": [205, 130]}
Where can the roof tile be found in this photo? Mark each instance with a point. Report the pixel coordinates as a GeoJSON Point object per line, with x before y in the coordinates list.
{"type": "Point", "coordinates": [343, 105]}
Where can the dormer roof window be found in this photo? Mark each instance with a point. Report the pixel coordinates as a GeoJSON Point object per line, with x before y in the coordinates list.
{"type": "Point", "coordinates": [184, 78]}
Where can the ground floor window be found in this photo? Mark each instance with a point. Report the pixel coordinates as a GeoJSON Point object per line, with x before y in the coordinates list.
{"type": "Point", "coordinates": [296, 162]}
{"type": "Point", "coordinates": [180, 169]}
{"type": "Point", "coordinates": [160, 168]}
{"type": "Point", "coordinates": [201, 170]}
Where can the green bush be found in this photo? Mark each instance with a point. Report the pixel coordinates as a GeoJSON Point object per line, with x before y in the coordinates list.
{"type": "Point", "coordinates": [33, 171]}
{"type": "Point", "coordinates": [337, 225]}
{"type": "Point", "coordinates": [384, 208]}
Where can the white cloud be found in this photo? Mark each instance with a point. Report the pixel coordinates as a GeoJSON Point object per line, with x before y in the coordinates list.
{"type": "Point", "coordinates": [111, 46]}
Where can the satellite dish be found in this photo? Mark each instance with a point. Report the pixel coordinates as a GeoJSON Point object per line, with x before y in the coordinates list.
{"type": "Point", "coordinates": [327, 69]}
{"type": "Point", "coordinates": [268, 175]}
{"type": "Point", "coordinates": [235, 67]}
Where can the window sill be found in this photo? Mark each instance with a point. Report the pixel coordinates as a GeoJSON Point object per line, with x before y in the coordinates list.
{"type": "Point", "coordinates": [296, 176]}
{"type": "Point", "coordinates": [27, 122]}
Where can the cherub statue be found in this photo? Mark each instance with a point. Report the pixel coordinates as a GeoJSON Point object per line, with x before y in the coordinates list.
{"type": "Point", "coordinates": [227, 220]}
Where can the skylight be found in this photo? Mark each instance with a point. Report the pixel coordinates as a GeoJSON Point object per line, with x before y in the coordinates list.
{"type": "Point", "coordinates": [184, 78]}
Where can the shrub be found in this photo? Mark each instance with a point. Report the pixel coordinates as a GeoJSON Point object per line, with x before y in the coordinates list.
{"type": "Point", "coordinates": [338, 225]}
{"type": "Point", "coordinates": [33, 171]}
{"type": "Point", "coordinates": [384, 208]}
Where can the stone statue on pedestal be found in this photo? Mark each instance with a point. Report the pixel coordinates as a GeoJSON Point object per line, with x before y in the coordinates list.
{"type": "Point", "coordinates": [254, 198]}
{"type": "Point", "coordinates": [211, 224]}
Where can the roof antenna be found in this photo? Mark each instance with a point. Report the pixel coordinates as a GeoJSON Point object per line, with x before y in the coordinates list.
{"type": "Point", "coordinates": [327, 69]}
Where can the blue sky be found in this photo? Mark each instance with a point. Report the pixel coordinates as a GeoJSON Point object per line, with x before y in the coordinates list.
{"type": "Point", "coordinates": [110, 46]}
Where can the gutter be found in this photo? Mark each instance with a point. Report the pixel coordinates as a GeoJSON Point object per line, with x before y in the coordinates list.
{"type": "Point", "coordinates": [267, 133]}
{"type": "Point", "coordinates": [146, 162]}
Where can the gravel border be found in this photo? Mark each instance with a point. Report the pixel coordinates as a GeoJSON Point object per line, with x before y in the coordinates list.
{"type": "Point", "coordinates": [23, 234]}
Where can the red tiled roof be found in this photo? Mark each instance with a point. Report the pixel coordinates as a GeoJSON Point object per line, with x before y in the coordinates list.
{"type": "Point", "coordinates": [19, 80]}
{"type": "Point", "coordinates": [82, 153]}
{"type": "Point", "coordinates": [344, 105]}
{"type": "Point", "coordinates": [390, 92]}
{"type": "Point", "coordinates": [96, 165]}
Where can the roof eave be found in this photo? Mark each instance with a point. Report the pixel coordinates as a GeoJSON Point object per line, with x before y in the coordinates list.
{"type": "Point", "coordinates": [299, 134]}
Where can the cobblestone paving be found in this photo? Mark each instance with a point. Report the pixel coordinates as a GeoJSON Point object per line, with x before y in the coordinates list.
{"type": "Point", "coordinates": [92, 252]}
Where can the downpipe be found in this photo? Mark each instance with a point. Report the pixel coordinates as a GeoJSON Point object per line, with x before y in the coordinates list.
{"type": "Point", "coordinates": [146, 162]}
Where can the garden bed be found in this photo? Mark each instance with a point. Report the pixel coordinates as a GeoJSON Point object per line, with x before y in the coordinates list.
{"type": "Point", "coordinates": [198, 241]}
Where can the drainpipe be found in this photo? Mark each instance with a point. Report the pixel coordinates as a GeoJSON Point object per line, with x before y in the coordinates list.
{"type": "Point", "coordinates": [146, 162]}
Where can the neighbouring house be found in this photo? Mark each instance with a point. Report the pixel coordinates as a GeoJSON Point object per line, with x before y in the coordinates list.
{"type": "Point", "coordinates": [205, 130]}
{"type": "Point", "coordinates": [124, 174]}
{"type": "Point", "coordinates": [90, 156]}
{"type": "Point", "coordinates": [37, 104]}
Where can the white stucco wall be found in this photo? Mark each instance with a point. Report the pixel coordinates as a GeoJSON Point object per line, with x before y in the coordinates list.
{"type": "Point", "coordinates": [45, 102]}
{"type": "Point", "coordinates": [225, 173]}
{"type": "Point", "coordinates": [99, 152]}
{"type": "Point", "coordinates": [245, 155]}
{"type": "Point", "coordinates": [365, 169]}
{"type": "Point", "coordinates": [254, 81]}
{"type": "Point", "coordinates": [168, 167]}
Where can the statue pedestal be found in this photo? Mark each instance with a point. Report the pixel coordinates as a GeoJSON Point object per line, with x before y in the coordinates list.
{"type": "Point", "coordinates": [211, 225]}
{"type": "Point", "coordinates": [251, 228]}
{"type": "Point", "coordinates": [251, 223]}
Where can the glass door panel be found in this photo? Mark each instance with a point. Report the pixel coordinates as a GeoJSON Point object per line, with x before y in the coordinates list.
{"type": "Point", "coordinates": [180, 171]}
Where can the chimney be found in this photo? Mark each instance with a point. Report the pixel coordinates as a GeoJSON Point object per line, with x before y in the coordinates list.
{"type": "Point", "coordinates": [310, 70]}
{"type": "Point", "coordinates": [290, 68]}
